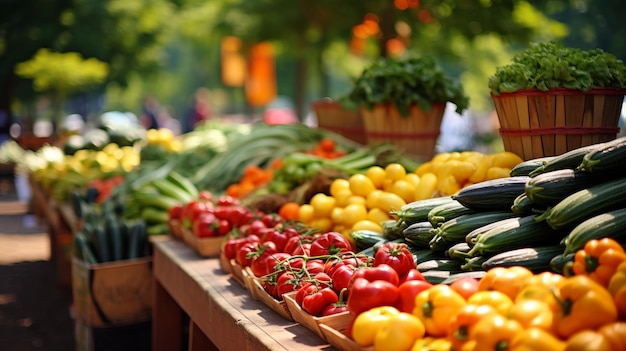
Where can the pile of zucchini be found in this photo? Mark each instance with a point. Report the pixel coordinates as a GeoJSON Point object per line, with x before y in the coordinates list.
{"type": "Point", "coordinates": [538, 217]}
{"type": "Point", "coordinates": [104, 235]}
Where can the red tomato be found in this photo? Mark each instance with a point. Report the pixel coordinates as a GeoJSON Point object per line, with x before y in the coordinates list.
{"type": "Point", "coordinates": [331, 243]}
{"type": "Point", "coordinates": [466, 286]}
{"type": "Point", "coordinates": [397, 256]}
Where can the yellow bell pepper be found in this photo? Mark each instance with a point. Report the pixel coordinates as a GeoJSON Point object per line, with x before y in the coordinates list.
{"type": "Point", "coordinates": [464, 321]}
{"type": "Point", "coordinates": [432, 344]}
{"type": "Point", "coordinates": [532, 314]}
{"type": "Point", "coordinates": [399, 333]}
{"type": "Point", "coordinates": [539, 287]}
{"type": "Point", "coordinates": [368, 323]}
{"type": "Point", "coordinates": [536, 339]}
{"type": "Point", "coordinates": [509, 280]}
{"type": "Point", "coordinates": [583, 304]}
{"type": "Point", "coordinates": [436, 306]}
{"type": "Point", "coordinates": [496, 299]}
{"type": "Point", "coordinates": [599, 259]}
{"type": "Point", "coordinates": [494, 332]}
{"type": "Point", "coordinates": [617, 288]}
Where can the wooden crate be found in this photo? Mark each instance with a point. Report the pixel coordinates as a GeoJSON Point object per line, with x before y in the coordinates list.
{"type": "Point", "coordinates": [307, 320]}
{"type": "Point", "coordinates": [113, 293]}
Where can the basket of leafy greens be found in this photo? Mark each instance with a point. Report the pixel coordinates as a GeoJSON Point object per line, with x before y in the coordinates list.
{"type": "Point", "coordinates": [402, 101]}
{"type": "Point", "coordinates": [551, 99]}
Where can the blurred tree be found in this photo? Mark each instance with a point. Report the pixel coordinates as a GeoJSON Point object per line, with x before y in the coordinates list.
{"type": "Point", "coordinates": [128, 35]}
{"type": "Point", "coordinates": [60, 75]}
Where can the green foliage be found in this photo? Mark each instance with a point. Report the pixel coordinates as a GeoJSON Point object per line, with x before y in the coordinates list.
{"type": "Point", "coordinates": [62, 73]}
{"type": "Point", "coordinates": [407, 81]}
{"type": "Point", "coordinates": [550, 65]}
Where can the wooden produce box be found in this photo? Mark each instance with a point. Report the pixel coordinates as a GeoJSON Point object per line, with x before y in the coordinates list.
{"type": "Point", "coordinates": [113, 293]}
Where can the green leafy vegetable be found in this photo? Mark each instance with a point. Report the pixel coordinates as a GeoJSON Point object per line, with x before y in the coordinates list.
{"type": "Point", "coordinates": [404, 82]}
{"type": "Point", "coordinates": [551, 65]}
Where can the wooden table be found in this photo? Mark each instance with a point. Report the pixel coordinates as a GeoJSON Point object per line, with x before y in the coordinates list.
{"type": "Point", "coordinates": [223, 314]}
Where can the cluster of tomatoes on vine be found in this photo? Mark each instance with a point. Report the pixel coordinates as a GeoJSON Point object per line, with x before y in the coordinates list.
{"type": "Point", "coordinates": [321, 270]}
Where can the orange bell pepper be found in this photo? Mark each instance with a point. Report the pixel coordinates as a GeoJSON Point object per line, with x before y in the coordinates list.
{"type": "Point", "coordinates": [615, 334]}
{"type": "Point", "coordinates": [532, 314]}
{"type": "Point", "coordinates": [599, 259]}
{"type": "Point", "coordinates": [535, 339]}
{"type": "Point", "coordinates": [586, 340]}
{"type": "Point", "coordinates": [496, 299]}
{"type": "Point", "coordinates": [436, 306]}
{"type": "Point", "coordinates": [399, 333]}
{"type": "Point", "coordinates": [464, 321]}
{"type": "Point", "coordinates": [368, 323]}
{"type": "Point", "coordinates": [508, 280]}
{"type": "Point", "coordinates": [583, 304]}
{"type": "Point", "coordinates": [494, 332]}
{"type": "Point", "coordinates": [617, 288]}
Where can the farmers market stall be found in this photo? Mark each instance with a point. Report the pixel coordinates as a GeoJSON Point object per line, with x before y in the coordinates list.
{"type": "Point", "coordinates": [272, 237]}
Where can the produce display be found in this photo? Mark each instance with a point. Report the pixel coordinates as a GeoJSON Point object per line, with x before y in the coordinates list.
{"type": "Point", "coordinates": [466, 251]}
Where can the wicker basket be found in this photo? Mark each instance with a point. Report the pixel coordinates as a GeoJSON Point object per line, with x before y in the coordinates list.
{"type": "Point", "coordinates": [537, 124]}
{"type": "Point", "coordinates": [333, 117]}
{"type": "Point", "coordinates": [415, 134]}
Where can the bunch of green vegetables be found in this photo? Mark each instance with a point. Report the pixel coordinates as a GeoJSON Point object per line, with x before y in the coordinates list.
{"type": "Point", "coordinates": [551, 65]}
{"type": "Point", "coordinates": [405, 82]}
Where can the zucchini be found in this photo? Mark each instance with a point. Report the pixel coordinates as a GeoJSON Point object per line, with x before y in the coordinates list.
{"type": "Point", "coordinates": [114, 234]}
{"type": "Point", "coordinates": [456, 229]}
{"type": "Point", "coordinates": [524, 168]}
{"type": "Point", "coordinates": [474, 264]}
{"type": "Point", "coordinates": [419, 234]}
{"type": "Point", "coordinates": [492, 195]}
{"type": "Point", "coordinates": [437, 276]}
{"type": "Point", "coordinates": [136, 240]}
{"type": "Point", "coordinates": [522, 205]}
{"type": "Point", "coordinates": [364, 239]}
{"type": "Point", "coordinates": [568, 160]}
{"type": "Point", "coordinates": [421, 255]}
{"type": "Point", "coordinates": [537, 259]}
{"type": "Point", "coordinates": [183, 183]}
{"type": "Point", "coordinates": [455, 276]}
{"type": "Point", "coordinates": [439, 265]}
{"type": "Point", "coordinates": [549, 188]}
{"type": "Point", "coordinates": [609, 157]}
{"type": "Point", "coordinates": [103, 252]}
{"type": "Point", "coordinates": [610, 224]}
{"type": "Point", "coordinates": [455, 250]}
{"type": "Point", "coordinates": [586, 203]}
{"type": "Point", "coordinates": [562, 264]}
{"type": "Point", "coordinates": [514, 233]}
{"type": "Point", "coordinates": [447, 211]}
{"type": "Point", "coordinates": [393, 228]}
{"type": "Point", "coordinates": [170, 189]}
{"type": "Point", "coordinates": [417, 211]}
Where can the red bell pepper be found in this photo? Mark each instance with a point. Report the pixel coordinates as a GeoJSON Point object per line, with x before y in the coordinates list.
{"type": "Point", "coordinates": [413, 274]}
{"type": "Point", "coordinates": [380, 272]}
{"type": "Point", "coordinates": [407, 292]}
{"type": "Point", "coordinates": [365, 294]}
